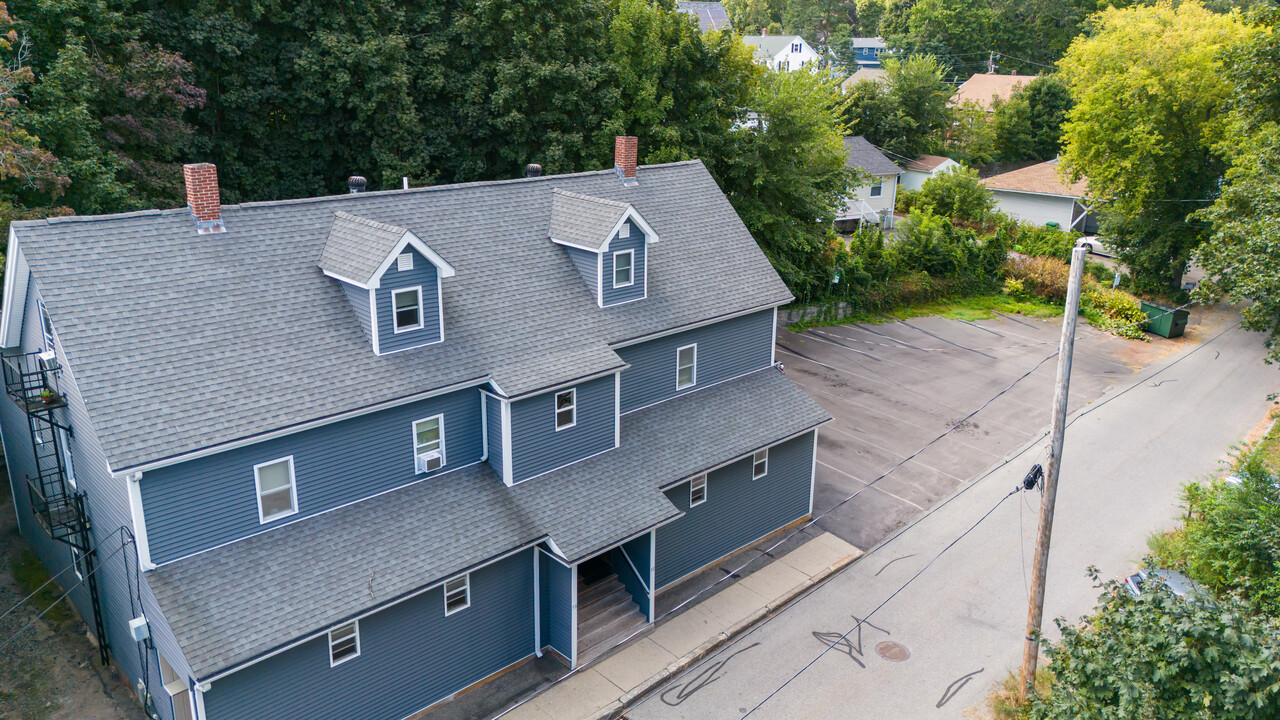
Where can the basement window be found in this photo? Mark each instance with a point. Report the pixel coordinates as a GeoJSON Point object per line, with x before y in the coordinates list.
{"type": "Point", "coordinates": [407, 306]}
{"type": "Point", "coordinates": [566, 409]}
{"type": "Point", "coordinates": [277, 491]}
{"type": "Point", "coordinates": [759, 464]}
{"type": "Point", "coordinates": [457, 594]}
{"type": "Point", "coordinates": [698, 490]}
{"type": "Point", "coordinates": [344, 643]}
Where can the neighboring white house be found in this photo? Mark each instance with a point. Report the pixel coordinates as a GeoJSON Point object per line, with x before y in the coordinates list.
{"type": "Point", "coordinates": [871, 203]}
{"type": "Point", "coordinates": [923, 168]}
{"type": "Point", "coordinates": [781, 52]}
{"type": "Point", "coordinates": [1038, 195]}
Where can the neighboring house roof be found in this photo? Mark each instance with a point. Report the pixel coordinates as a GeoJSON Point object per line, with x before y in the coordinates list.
{"type": "Point", "coordinates": [711, 15]}
{"type": "Point", "coordinates": [869, 42]}
{"type": "Point", "coordinates": [864, 73]}
{"type": "Point", "coordinates": [863, 155]}
{"type": "Point", "coordinates": [1039, 179]}
{"type": "Point", "coordinates": [182, 342]}
{"type": "Point", "coordinates": [233, 603]}
{"type": "Point", "coordinates": [983, 86]}
{"type": "Point", "coordinates": [770, 46]}
{"type": "Point", "coordinates": [583, 220]}
{"type": "Point", "coordinates": [926, 163]}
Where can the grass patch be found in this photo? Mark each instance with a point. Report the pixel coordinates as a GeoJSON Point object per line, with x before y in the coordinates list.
{"type": "Point", "coordinates": [1268, 448]}
{"type": "Point", "coordinates": [30, 574]}
{"type": "Point", "coordinates": [980, 307]}
{"type": "Point", "coordinates": [1004, 702]}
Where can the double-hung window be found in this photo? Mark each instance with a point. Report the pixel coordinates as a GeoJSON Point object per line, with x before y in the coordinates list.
{"type": "Point", "coordinates": [623, 268]}
{"type": "Point", "coordinates": [877, 190]}
{"type": "Point", "coordinates": [457, 594]}
{"type": "Point", "coordinates": [566, 409]}
{"type": "Point", "coordinates": [344, 643]}
{"type": "Point", "coordinates": [686, 366]}
{"type": "Point", "coordinates": [698, 490]}
{"type": "Point", "coordinates": [277, 494]}
{"type": "Point", "coordinates": [407, 305]}
{"type": "Point", "coordinates": [759, 464]}
{"type": "Point", "coordinates": [428, 444]}
{"type": "Point", "coordinates": [795, 47]}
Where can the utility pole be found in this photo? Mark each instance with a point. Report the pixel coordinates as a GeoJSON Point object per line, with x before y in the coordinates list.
{"type": "Point", "coordinates": [991, 62]}
{"type": "Point", "coordinates": [1035, 613]}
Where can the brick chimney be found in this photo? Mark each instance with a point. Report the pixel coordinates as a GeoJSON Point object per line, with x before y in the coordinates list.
{"type": "Point", "coordinates": [201, 180]}
{"type": "Point", "coordinates": [625, 150]}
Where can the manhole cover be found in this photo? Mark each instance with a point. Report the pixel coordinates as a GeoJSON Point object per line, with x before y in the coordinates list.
{"type": "Point", "coordinates": [892, 651]}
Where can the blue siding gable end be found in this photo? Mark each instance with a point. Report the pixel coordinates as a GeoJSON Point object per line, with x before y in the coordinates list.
{"type": "Point", "coordinates": [424, 276]}
{"type": "Point", "coordinates": [537, 447]}
{"type": "Point", "coordinates": [636, 245]}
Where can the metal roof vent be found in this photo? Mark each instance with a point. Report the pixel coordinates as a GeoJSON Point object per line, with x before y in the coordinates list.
{"type": "Point", "coordinates": [356, 184]}
{"type": "Point", "coordinates": [532, 170]}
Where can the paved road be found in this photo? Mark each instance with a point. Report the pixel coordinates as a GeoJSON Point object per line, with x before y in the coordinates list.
{"type": "Point", "coordinates": [962, 620]}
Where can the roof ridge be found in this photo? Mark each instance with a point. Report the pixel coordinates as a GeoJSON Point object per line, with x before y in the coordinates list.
{"type": "Point", "coordinates": [342, 214]}
{"type": "Point", "coordinates": [590, 198]}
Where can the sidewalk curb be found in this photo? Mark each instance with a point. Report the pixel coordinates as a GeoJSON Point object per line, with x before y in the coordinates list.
{"type": "Point", "coordinates": [616, 709]}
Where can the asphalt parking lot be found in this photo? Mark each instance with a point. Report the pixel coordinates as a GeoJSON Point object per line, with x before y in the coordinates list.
{"type": "Point", "coordinates": [894, 388]}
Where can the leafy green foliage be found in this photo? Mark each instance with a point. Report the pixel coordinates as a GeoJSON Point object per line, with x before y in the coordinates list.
{"type": "Point", "coordinates": [1160, 656]}
{"type": "Point", "coordinates": [1114, 310]}
{"type": "Point", "coordinates": [1044, 241]}
{"type": "Point", "coordinates": [957, 194]}
{"type": "Point", "coordinates": [971, 139]}
{"type": "Point", "coordinates": [917, 84]}
{"type": "Point", "coordinates": [1029, 125]}
{"type": "Point", "coordinates": [874, 113]}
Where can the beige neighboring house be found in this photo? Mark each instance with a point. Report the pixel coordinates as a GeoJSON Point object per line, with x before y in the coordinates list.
{"type": "Point", "coordinates": [981, 88]}
{"type": "Point", "coordinates": [923, 168]}
{"type": "Point", "coordinates": [864, 73]}
{"type": "Point", "coordinates": [1038, 195]}
{"type": "Point", "coordinates": [871, 203]}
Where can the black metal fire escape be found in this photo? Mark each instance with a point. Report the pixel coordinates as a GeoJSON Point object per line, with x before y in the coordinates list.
{"type": "Point", "coordinates": [31, 381]}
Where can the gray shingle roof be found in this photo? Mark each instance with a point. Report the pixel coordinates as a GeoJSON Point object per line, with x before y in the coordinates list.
{"type": "Point", "coordinates": [181, 342]}
{"type": "Point", "coordinates": [583, 220]}
{"type": "Point", "coordinates": [865, 156]}
{"type": "Point", "coordinates": [768, 46]}
{"type": "Point", "coordinates": [711, 15]}
{"type": "Point", "coordinates": [233, 603]}
{"type": "Point", "coordinates": [357, 246]}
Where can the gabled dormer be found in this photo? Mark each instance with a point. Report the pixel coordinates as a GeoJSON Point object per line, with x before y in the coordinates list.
{"type": "Point", "coordinates": [607, 241]}
{"type": "Point", "coordinates": [392, 279]}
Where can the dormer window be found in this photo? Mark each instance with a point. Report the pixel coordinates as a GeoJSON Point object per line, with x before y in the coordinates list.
{"type": "Point", "coordinates": [623, 268]}
{"type": "Point", "coordinates": [408, 309]}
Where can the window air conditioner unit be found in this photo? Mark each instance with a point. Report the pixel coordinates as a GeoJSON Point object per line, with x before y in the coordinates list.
{"type": "Point", "coordinates": [429, 462]}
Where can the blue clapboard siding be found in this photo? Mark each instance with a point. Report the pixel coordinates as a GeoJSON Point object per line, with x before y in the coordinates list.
{"type": "Point", "coordinates": [108, 506]}
{"type": "Point", "coordinates": [359, 299]}
{"type": "Point", "coordinates": [493, 426]}
{"type": "Point", "coordinates": [634, 291]}
{"type": "Point", "coordinates": [411, 655]}
{"type": "Point", "coordinates": [634, 579]}
{"type": "Point", "coordinates": [738, 510]}
{"type": "Point", "coordinates": [536, 445]}
{"type": "Point", "coordinates": [422, 275]}
{"type": "Point", "coordinates": [588, 264]}
{"type": "Point", "coordinates": [205, 502]}
{"type": "Point", "coordinates": [558, 596]}
{"type": "Point", "coordinates": [725, 350]}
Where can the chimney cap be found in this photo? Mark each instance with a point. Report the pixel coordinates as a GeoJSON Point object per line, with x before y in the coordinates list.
{"type": "Point", "coordinates": [356, 184]}
{"type": "Point", "coordinates": [532, 170]}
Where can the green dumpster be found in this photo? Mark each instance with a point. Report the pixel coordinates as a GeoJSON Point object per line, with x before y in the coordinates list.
{"type": "Point", "coordinates": [1163, 321]}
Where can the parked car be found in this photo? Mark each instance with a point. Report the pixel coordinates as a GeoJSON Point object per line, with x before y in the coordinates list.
{"type": "Point", "coordinates": [1180, 584]}
{"type": "Point", "coordinates": [1094, 245]}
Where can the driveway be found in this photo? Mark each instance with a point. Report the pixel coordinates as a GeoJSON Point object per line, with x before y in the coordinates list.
{"type": "Point", "coordinates": [893, 388]}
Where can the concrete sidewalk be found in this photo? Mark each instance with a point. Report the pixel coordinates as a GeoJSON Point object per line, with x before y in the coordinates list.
{"type": "Point", "coordinates": [606, 686]}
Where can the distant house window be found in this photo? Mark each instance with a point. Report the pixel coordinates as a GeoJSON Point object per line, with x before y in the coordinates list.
{"type": "Point", "coordinates": [795, 47]}
{"type": "Point", "coordinates": [877, 190]}
{"type": "Point", "coordinates": [404, 262]}
{"type": "Point", "coordinates": [622, 265]}
{"type": "Point", "coordinates": [277, 495]}
{"type": "Point", "coordinates": [698, 490]}
{"type": "Point", "coordinates": [566, 409]}
{"type": "Point", "coordinates": [344, 643]}
{"type": "Point", "coordinates": [686, 366]}
{"type": "Point", "coordinates": [457, 594]}
{"type": "Point", "coordinates": [759, 464]}
{"type": "Point", "coordinates": [408, 309]}
{"type": "Point", "coordinates": [428, 444]}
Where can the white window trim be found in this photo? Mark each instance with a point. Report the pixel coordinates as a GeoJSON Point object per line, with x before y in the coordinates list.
{"type": "Point", "coordinates": [631, 272]}
{"type": "Point", "coordinates": [445, 592]}
{"type": "Point", "coordinates": [395, 328]}
{"type": "Point", "coordinates": [759, 457]}
{"type": "Point", "coordinates": [64, 444]}
{"type": "Point", "coordinates": [693, 376]}
{"type": "Point", "coordinates": [556, 409]}
{"type": "Point", "coordinates": [355, 624]}
{"type": "Point", "coordinates": [293, 490]}
{"type": "Point", "coordinates": [700, 481]}
{"type": "Point", "coordinates": [414, 428]}
{"type": "Point", "coordinates": [76, 559]}
{"type": "Point", "coordinates": [878, 186]}
{"type": "Point", "coordinates": [46, 327]}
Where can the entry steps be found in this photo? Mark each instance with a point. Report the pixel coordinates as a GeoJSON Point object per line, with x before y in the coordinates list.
{"type": "Point", "coordinates": [607, 614]}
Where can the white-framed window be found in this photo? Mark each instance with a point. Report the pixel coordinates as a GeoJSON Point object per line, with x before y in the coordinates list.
{"type": "Point", "coordinates": [77, 562]}
{"type": "Point", "coordinates": [64, 443]}
{"type": "Point", "coordinates": [795, 47]}
{"type": "Point", "coordinates": [404, 261]}
{"type": "Point", "coordinates": [759, 464]}
{"type": "Point", "coordinates": [624, 268]}
{"type": "Point", "coordinates": [406, 307]}
{"type": "Point", "coordinates": [46, 325]}
{"type": "Point", "coordinates": [428, 444]}
{"type": "Point", "coordinates": [625, 230]}
{"type": "Point", "coordinates": [566, 409]}
{"type": "Point", "coordinates": [686, 366]}
{"type": "Point", "coordinates": [698, 490]}
{"type": "Point", "coordinates": [457, 594]}
{"type": "Point", "coordinates": [175, 686]}
{"type": "Point", "coordinates": [877, 190]}
{"type": "Point", "coordinates": [277, 492]}
{"type": "Point", "coordinates": [344, 643]}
